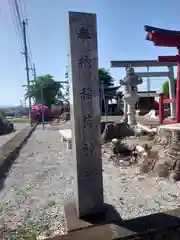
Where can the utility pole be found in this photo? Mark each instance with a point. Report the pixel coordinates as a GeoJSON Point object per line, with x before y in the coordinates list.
{"type": "Point", "coordinates": [24, 23]}
{"type": "Point", "coordinates": [42, 103]}
{"type": "Point", "coordinates": [34, 71]}
{"type": "Point", "coordinates": [148, 82]}
{"type": "Point", "coordinates": [103, 100]}
{"type": "Point", "coordinates": [42, 95]}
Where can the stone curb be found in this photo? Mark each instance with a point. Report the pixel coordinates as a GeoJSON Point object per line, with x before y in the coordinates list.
{"type": "Point", "coordinates": [10, 150]}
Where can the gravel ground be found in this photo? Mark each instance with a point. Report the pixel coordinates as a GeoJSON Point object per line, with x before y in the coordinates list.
{"type": "Point", "coordinates": [42, 179]}
{"type": "Point", "coordinates": [7, 137]}
{"type": "Point", "coordinates": [135, 194]}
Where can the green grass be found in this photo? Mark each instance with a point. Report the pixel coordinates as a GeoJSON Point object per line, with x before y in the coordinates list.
{"type": "Point", "coordinates": [23, 234]}
{"type": "Point", "coordinates": [20, 120]}
{"type": "Point", "coordinates": [27, 232]}
{"type": "Point", "coordinates": [29, 229]}
{"type": "Point", "coordinates": [51, 203]}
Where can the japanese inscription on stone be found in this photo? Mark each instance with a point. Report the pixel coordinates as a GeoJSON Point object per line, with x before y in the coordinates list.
{"type": "Point", "coordinates": [89, 174]}
{"type": "Point", "coordinates": [88, 121]}
{"type": "Point", "coordinates": [85, 112]}
{"type": "Point", "coordinates": [86, 94]}
{"type": "Point", "coordinates": [84, 61]}
{"type": "Point", "coordinates": [83, 34]}
{"type": "Point", "coordinates": [88, 149]}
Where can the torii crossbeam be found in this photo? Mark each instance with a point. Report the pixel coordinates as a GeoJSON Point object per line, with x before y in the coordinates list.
{"type": "Point", "coordinates": [167, 38]}
{"type": "Point", "coordinates": [152, 63]}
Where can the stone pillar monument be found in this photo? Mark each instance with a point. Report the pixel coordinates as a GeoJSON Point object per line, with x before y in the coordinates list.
{"type": "Point", "coordinates": [172, 91]}
{"type": "Point", "coordinates": [130, 83]}
{"type": "Point", "coordinates": [125, 110]}
{"type": "Point", "coordinates": [85, 113]}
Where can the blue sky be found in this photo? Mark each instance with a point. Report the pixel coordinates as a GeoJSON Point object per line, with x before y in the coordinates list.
{"type": "Point", "coordinates": [120, 37]}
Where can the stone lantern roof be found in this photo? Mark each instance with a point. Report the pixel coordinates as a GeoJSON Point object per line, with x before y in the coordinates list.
{"type": "Point", "coordinates": [131, 78]}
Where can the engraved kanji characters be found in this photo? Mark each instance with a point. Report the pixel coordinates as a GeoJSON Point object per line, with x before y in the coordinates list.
{"type": "Point", "coordinates": [89, 174]}
{"type": "Point", "coordinates": [88, 120]}
{"type": "Point", "coordinates": [84, 62]}
{"type": "Point", "coordinates": [83, 34]}
{"type": "Point", "coordinates": [88, 149]}
{"type": "Point", "coordinates": [86, 94]}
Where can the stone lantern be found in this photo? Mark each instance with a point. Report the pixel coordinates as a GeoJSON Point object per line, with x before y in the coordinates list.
{"type": "Point", "coordinates": [130, 82]}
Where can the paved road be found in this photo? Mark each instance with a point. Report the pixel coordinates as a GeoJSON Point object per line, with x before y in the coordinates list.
{"type": "Point", "coordinates": [7, 137]}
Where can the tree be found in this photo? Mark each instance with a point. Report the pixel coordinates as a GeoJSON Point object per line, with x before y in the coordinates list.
{"type": "Point", "coordinates": [66, 94]}
{"type": "Point", "coordinates": [51, 90]}
{"type": "Point", "coordinates": [105, 77]}
{"type": "Point", "coordinates": [165, 88]}
{"type": "Point", "coordinates": [120, 94]}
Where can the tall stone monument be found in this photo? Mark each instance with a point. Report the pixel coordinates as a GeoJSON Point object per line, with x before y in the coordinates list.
{"type": "Point", "coordinates": [85, 113]}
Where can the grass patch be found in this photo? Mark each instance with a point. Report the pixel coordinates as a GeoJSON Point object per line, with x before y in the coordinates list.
{"type": "Point", "coordinates": [51, 203]}
{"type": "Point", "coordinates": [23, 233]}
{"type": "Point", "coordinates": [1, 208]}
{"type": "Point", "coordinates": [20, 120]}
{"type": "Point", "coordinates": [30, 230]}
{"type": "Point", "coordinates": [27, 231]}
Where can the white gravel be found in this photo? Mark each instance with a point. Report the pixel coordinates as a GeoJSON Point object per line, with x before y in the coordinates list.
{"type": "Point", "coordinates": [42, 179]}
{"type": "Point", "coordinates": [134, 194]}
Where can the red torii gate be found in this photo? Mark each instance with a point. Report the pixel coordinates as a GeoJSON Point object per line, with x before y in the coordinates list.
{"type": "Point", "coordinates": [168, 38]}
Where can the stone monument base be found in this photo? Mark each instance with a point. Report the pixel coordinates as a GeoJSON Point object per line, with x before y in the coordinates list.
{"type": "Point", "coordinates": [142, 112]}
{"type": "Point", "coordinates": [106, 216]}
{"type": "Point", "coordinates": [164, 225]}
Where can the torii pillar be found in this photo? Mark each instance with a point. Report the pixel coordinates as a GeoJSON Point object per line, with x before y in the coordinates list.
{"type": "Point", "coordinates": [168, 38]}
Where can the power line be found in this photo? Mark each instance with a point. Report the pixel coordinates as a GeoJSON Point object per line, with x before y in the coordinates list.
{"type": "Point", "coordinates": [24, 16]}
{"type": "Point", "coordinates": [24, 13]}
{"type": "Point", "coordinates": [27, 68]}
{"type": "Point", "coordinates": [18, 15]}
{"type": "Point", "coordinates": [29, 46]}
{"type": "Point", "coordinates": [20, 23]}
{"type": "Point", "coordinates": [24, 7]}
{"type": "Point", "coordinates": [21, 9]}
{"type": "Point", "coordinates": [17, 32]}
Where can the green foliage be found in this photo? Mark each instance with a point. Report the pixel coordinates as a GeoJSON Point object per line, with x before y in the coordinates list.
{"type": "Point", "coordinates": [27, 231]}
{"type": "Point", "coordinates": [66, 94]}
{"type": "Point", "coordinates": [3, 119]}
{"type": "Point", "coordinates": [20, 120]}
{"type": "Point", "coordinates": [165, 88]}
{"type": "Point", "coordinates": [120, 94]}
{"type": "Point", "coordinates": [105, 77]}
{"type": "Point", "coordinates": [51, 90]}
